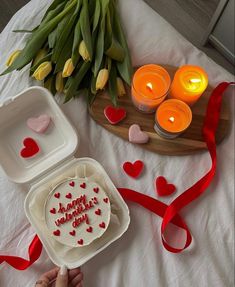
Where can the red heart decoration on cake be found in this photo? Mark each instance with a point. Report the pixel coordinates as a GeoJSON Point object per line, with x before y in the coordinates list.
{"type": "Point", "coordinates": [163, 188]}
{"type": "Point", "coordinates": [53, 211]}
{"type": "Point", "coordinates": [57, 232]}
{"type": "Point", "coordinates": [83, 185]}
{"type": "Point", "coordinates": [114, 115]}
{"type": "Point", "coordinates": [102, 225]}
{"type": "Point", "coordinates": [90, 229]}
{"type": "Point", "coordinates": [69, 195]}
{"type": "Point", "coordinates": [98, 212]}
{"type": "Point", "coordinates": [72, 183]}
{"type": "Point", "coordinates": [57, 195]}
{"type": "Point", "coordinates": [80, 242]}
{"type": "Point", "coordinates": [133, 169]}
{"type": "Point", "coordinates": [106, 200]}
{"type": "Point", "coordinates": [72, 233]}
{"type": "Point", "coordinates": [30, 149]}
{"type": "Point", "coordinates": [96, 189]}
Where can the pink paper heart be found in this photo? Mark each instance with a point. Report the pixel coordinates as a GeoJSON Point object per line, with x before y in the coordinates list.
{"type": "Point", "coordinates": [40, 124]}
{"type": "Point", "coordinates": [137, 136]}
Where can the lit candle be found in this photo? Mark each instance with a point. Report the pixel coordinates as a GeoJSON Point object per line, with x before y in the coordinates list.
{"type": "Point", "coordinates": [150, 86]}
{"type": "Point", "coordinates": [189, 84]}
{"type": "Point", "coordinates": [172, 118]}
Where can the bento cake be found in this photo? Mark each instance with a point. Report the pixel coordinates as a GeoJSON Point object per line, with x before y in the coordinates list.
{"type": "Point", "coordinates": [77, 212]}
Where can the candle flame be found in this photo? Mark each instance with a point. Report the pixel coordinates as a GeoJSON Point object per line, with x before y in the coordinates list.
{"type": "Point", "coordinates": [195, 81]}
{"type": "Point", "coordinates": [149, 86]}
{"type": "Point", "coordinates": [171, 119]}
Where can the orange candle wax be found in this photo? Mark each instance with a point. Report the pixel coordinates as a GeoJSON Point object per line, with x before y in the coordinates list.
{"type": "Point", "coordinates": [150, 86]}
{"type": "Point", "coordinates": [172, 118]}
{"type": "Point", "coordinates": [189, 84]}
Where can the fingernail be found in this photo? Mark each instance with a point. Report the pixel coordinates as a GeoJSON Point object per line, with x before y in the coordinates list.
{"type": "Point", "coordinates": [63, 270]}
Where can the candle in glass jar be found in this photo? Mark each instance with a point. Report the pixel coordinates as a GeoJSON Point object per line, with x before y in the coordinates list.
{"type": "Point", "coordinates": [173, 117]}
{"type": "Point", "coordinates": [189, 84]}
{"type": "Point", "coordinates": [150, 86]}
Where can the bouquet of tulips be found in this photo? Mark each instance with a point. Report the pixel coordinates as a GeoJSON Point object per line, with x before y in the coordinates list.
{"type": "Point", "coordinates": [78, 48]}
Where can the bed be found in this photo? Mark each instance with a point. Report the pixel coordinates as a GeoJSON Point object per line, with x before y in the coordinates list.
{"type": "Point", "coordinates": [138, 258]}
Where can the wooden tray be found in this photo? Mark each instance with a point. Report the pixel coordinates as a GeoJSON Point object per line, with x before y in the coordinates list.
{"type": "Point", "coordinates": [190, 141]}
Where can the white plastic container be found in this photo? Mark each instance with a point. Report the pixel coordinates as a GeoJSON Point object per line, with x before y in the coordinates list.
{"type": "Point", "coordinates": [54, 162]}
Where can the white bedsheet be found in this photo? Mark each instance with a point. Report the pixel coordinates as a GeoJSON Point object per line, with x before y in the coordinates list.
{"type": "Point", "coordinates": [138, 258]}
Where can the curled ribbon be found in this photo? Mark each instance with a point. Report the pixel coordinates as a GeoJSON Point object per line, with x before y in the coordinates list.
{"type": "Point", "coordinates": [169, 213]}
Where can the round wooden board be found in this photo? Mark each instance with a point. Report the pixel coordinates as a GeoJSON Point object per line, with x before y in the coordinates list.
{"type": "Point", "coordinates": [190, 141]}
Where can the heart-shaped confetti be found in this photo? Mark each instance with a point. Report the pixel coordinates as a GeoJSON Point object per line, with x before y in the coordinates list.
{"type": "Point", "coordinates": [163, 188]}
{"type": "Point", "coordinates": [56, 232]}
{"type": "Point", "coordinates": [30, 149]}
{"type": "Point", "coordinates": [40, 124]}
{"type": "Point", "coordinates": [96, 189]}
{"type": "Point", "coordinates": [69, 195]}
{"type": "Point", "coordinates": [57, 195]}
{"type": "Point", "coordinates": [98, 212]}
{"type": "Point", "coordinates": [102, 225]}
{"type": "Point", "coordinates": [106, 200]}
{"type": "Point", "coordinates": [137, 136]}
{"type": "Point", "coordinates": [114, 115]}
{"type": "Point", "coordinates": [133, 169]}
{"type": "Point", "coordinates": [83, 185]}
{"type": "Point", "coordinates": [72, 233]}
{"type": "Point", "coordinates": [90, 229]}
{"type": "Point", "coordinates": [53, 211]}
{"type": "Point", "coordinates": [72, 183]}
{"type": "Point", "coordinates": [80, 242]}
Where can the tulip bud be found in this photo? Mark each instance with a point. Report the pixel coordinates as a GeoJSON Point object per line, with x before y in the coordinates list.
{"type": "Point", "coordinates": [59, 83]}
{"type": "Point", "coordinates": [40, 55]}
{"type": "Point", "coordinates": [68, 68]}
{"type": "Point", "coordinates": [120, 88]}
{"type": "Point", "coordinates": [102, 79]}
{"type": "Point", "coordinates": [12, 57]}
{"type": "Point", "coordinates": [83, 52]}
{"type": "Point", "coordinates": [42, 71]}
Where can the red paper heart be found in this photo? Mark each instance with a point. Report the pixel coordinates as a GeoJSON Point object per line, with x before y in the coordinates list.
{"type": "Point", "coordinates": [53, 211]}
{"type": "Point", "coordinates": [114, 115]}
{"type": "Point", "coordinates": [106, 200]}
{"type": "Point", "coordinates": [163, 188]}
{"type": "Point", "coordinates": [96, 189]}
{"type": "Point", "coordinates": [69, 195]}
{"type": "Point", "coordinates": [90, 229]}
{"type": "Point", "coordinates": [80, 242]}
{"type": "Point", "coordinates": [30, 149]}
{"type": "Point", "coordinates": [102, 225]}
{"type": "Point", "coordinates": [56, 232]}
{"type": "Point", "coordinates": [72, 183]}
{"type": "Point", "coordinates": [98, 212]}
{"type": "Point", "coordinates": [133, 169]}
{"type": "Point", "coordinates": [83, 185]}
{"type": "Point", "coordinates": [57, 195]}
{"type": "Point", "coordinates": [72, 233]}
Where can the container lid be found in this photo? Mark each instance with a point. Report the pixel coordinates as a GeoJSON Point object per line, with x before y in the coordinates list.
{"type": "Point", "coordinates": [58, 142]}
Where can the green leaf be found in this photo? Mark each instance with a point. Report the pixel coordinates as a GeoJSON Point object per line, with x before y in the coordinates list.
{"type": "Point", "coordinates": [115, 51]}
{"type": "Point", "coordinates": [108, 33]}
{"type": "Point", "coordinates": [91, 8]}
{"type": "Point", "coordinates": [76, 41]}
{"type": "Point", "coordinates": [53, 6]}
{"type": "Point", "coordinates": [46, 58]}
{"type": "Point", "coordinates": [85, 27]}
{"type": "Point", "coordinates": [113, 85]}
{"type": "Point", "coordinates": [97, 14]}
{"type": "Point", "coordinates": [49, 84]}
{"type": "Point", "coordinates": [25, 31]}
{"type": "Point", "coordinates": [36, 41]}
{"type": "Point", "coordinates": [74, 81]}
{"type": "Point", "coordinates": [53, 13]}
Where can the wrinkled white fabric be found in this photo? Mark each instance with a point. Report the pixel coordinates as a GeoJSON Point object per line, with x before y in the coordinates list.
{"type": "Point", "coordinates": [138, 258]}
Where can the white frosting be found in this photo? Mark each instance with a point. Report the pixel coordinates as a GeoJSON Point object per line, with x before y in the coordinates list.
{"type": "Point", "coordinates": [77, 211]}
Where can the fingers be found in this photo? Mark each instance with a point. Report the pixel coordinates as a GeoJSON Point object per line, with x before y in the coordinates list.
{"type": "Point", "coordinates": [77, 280]}
{"type": "Point", "coordinates": [49, 276]}
{"type": "Point", "coordinates": [73, 273]}
{"type": "Point", "coordinates": [62, 278]}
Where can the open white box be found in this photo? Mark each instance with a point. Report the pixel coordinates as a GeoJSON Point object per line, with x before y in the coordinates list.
{"type": "Point", "coordinates": [54, 162]}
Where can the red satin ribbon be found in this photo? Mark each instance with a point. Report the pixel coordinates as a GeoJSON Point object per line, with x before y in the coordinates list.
{"type": "Point", "coordinates": [169, 213]}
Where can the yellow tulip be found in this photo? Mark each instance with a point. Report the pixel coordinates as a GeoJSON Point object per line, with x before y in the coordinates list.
{"type": "Point", "coordinates": [68, 68]}
{"type": "Point", "coordinates": [42, 71]}
{"type": "Point", "coordinates": [83, 52]}
{"type": "Point", "coordinates": [59, 83]}
{"type": "Point", "coordinates": [40, 55]}
{"type": "Point", "coordinates": [12, 57]}
{"type": "Point", "coordinates": [102, 79]}
{"type": "Point", "coordinates": [120, 87]}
